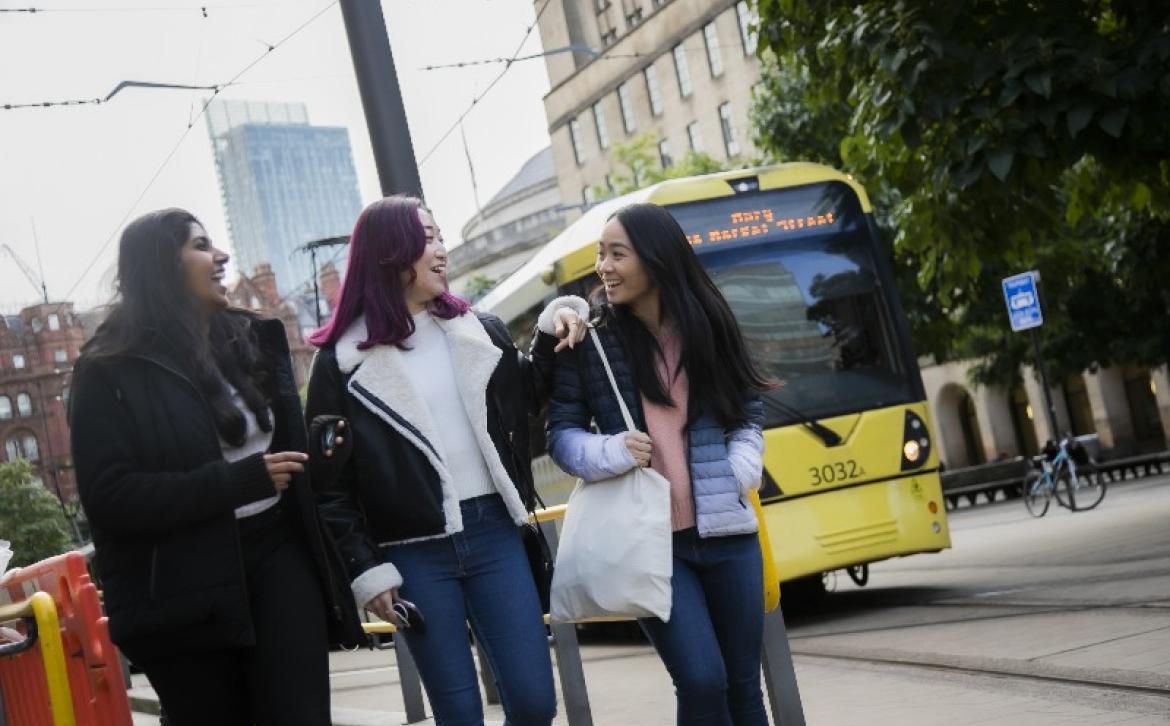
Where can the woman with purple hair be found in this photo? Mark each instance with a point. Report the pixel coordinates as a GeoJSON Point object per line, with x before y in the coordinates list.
{"type": "Point", "coordinates": [426, 494]}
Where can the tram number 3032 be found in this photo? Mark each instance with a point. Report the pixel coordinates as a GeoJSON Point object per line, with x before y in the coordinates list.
{"type": "Point", "coordinates": [835, 472]}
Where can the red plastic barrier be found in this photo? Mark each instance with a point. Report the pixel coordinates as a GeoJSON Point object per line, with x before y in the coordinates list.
{"type": "Point", "coordinates": [95, 671]}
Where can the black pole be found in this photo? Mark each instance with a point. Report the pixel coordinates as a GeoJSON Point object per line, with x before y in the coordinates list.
{"type": "Point", "coordinates": [1049, 406]}
{"type": "Point", "coordinates": [316, 289]}
{"type": "Point", "coordinates": [373, 64]}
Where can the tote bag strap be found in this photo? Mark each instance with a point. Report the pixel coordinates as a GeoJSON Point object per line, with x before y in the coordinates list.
{"type": "Point", "coordinates": [612, 382]}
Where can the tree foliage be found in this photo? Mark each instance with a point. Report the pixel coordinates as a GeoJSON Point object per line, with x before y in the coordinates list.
{"type": "Point", "coordinates": [31, 518]}
{"type": "Point", "coordinates": [477, 286]}
{"type": "Point", "coordinates": [995, 137]}
{"type": "Point", "coordinates": [637, 165]}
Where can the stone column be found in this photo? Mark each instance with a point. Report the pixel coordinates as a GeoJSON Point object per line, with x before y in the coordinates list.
{"type": "Point", "coordinates": [1111, 416]}
{"type": "Point", "coordinates": [1035, 391]}
{"type": "Point", "coordinates": [992, 407]}
{"type": "Point", "coordinates": [1160, 377]}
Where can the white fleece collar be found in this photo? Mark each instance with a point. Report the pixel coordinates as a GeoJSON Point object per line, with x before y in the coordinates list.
{"type": "Point", "coordinates": [381, 384]}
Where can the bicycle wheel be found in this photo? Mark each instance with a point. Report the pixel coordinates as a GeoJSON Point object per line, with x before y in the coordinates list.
{"type": "Point", "coordinates": [1080, 493]}
{"type": "Point", "coordinates": [1037, 496]}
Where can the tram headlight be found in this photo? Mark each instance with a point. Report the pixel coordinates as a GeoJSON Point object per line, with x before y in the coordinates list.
{"type": "Point", "coordinates": [915, 442]}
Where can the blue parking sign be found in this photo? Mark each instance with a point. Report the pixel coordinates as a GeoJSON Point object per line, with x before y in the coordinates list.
{"type": "Point", "coordinates": [1023, 301]}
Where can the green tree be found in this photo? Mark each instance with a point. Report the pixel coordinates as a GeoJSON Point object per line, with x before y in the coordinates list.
{"type": "Point", "coordinates": [637, 165]}
{"type": "Point", "coordinates": [31, 518]}
{"type": "Point", "coordinates": [995, 137]}
{"type": "Point", "coordinates": [478, 285]}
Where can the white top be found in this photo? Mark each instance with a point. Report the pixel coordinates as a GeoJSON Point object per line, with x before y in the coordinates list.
{"type": "Point", "coordinates": [429, 368]}
{"type": "Point", "coordinates": [255, 442]}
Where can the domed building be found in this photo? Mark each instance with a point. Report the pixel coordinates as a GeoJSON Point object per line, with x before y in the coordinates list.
{"type": "Point", "coordinates": [522, 216]}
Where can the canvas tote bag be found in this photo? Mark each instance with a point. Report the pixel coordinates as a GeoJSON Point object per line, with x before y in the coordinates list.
{"type": "Point", "coordinates": [615, 557]}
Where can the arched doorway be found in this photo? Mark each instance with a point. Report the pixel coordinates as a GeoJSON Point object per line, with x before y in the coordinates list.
{"type": "Point", "coordinates": [1080, 409]}
{"type": "Point", "coordinates": [1023, 421]}
{"type": "Point", "coordinates": [958, 426]}
{"type": "Point", "coordinates": [1143, 410]}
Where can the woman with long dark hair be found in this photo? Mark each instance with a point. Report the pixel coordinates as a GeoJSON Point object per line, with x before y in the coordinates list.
{"type": "Point", "coordinates": [427, 501]}
{"type": "Point", "coordinates": [190, 450]}
{"type": "Point", "coordinates": [679, 359]}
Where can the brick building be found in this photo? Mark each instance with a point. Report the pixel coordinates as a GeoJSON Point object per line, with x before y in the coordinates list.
{"type": "Point", "coordinates": [38, 347]}
{"type": "Point", "coordinates": [259, 293]}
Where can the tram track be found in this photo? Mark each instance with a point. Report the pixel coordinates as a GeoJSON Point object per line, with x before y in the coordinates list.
{"type": "Point", "coordinates": [1000, 668]}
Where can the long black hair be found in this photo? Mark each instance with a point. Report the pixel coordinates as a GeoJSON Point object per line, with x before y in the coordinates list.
{"type": "Point", "coordinates": [719, 369]}
{"type": "Point", "coordinates": [153, 310]}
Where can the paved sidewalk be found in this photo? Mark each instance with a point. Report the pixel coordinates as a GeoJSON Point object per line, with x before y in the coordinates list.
{"type": "Point", "coordinates": [1063, 621]}
{"type": "Point", "coordinates": [857, 679]}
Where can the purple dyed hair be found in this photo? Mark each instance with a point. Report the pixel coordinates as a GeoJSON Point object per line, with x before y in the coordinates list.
{"type": "Point", "coordinates": [386, 241]}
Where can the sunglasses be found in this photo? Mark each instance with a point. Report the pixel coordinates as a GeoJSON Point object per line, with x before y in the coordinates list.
{"type": "Point", "coordinates": [409, 616]}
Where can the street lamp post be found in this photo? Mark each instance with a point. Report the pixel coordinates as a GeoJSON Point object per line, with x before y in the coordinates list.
{"type": "Point", "coordinates": [311, 248]}
{"type": "Point", "coordinates": [48, 460]}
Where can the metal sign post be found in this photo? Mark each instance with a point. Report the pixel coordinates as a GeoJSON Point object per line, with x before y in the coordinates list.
{"type": "Point", "coordinates": [1021, 294]}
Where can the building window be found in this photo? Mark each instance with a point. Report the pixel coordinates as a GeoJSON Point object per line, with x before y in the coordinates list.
{"type": "Point", "coordinates": [609, 37]}
{"type": "Point", "coordinates": [729, 142]}
{"type": "Point", "coordinates": [54, 322]}
{"type": "Point", "coordinates": [627, 106]}
{"type": "Point", "coordinates": [664, 156]}
{"type": "Point", "coordinates": [748, 21]}
{"type": "Point", "coordinates": [588, 195]}
{"type": "Point", "coordinates": [694, 136]}
{"type": "Point", "coordinates": [60, 355]}
{"type": "Point", "coordinates": [601, 5]}
{"type": "Point", "coordinates": [65, 396]}
{"type": "Point", "coordinates": [32, 452]}
{"type": "Point", "coordinates": [23, 404]}
{"type": "Point", "coordinates": [17, 361]}
{"type": "Point", "coordinates": [682, 71]}
{"type": "Point", "coordinates": [633, 17]}
{"type": "Point", "coordinates": [599, 122]}
{"type": "Point", "coordinates": [714, 58]}
{"type": "Point", "coordinates": [652, 91]}
{"type": "Point", "coordinates": [609, 184]}
{"type": "Point", "coordinates": [22, 445]}
{"type": "Point", "coordinates": [575, 136]}
{"type": "Point", "coordinates": [5, 408]}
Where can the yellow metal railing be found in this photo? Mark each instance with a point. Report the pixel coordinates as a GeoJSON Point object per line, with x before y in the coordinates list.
{"type": "Point", "coordinates": [41, 609]}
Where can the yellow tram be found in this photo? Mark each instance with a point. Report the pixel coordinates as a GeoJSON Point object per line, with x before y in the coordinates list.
{"type": "Point", "coordinates": [851, 471]}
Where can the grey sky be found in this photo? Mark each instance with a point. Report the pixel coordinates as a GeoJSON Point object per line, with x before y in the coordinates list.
{"type": "Point", "coordinates": [78, 170]}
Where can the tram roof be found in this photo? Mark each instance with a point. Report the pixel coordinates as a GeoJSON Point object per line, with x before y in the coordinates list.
{"type": "Point", "coordinates": [526, 287]}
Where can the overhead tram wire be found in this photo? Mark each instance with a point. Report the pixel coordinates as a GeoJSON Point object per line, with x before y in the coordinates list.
{"type": "Point", "coordinates": [201, 9]}
{"type": "Point", "coordinates": [480, 97]}
{"type": "Point", "coordinates": [158, 172]}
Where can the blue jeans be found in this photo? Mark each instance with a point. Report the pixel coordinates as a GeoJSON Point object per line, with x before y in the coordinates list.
{"type": "Point", "coordinates": [481, 576]}
{"type": "Point", "coordinates": [713, 642]}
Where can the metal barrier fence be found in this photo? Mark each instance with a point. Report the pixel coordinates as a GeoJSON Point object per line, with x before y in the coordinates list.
{"type": "Point", "coordinates": [779, 674]}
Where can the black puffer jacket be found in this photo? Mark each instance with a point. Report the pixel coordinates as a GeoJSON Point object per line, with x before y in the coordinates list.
{"type": "Point", "coordinates": [160, 499]}
{"type": "Point", "coordinates": [393, 487]}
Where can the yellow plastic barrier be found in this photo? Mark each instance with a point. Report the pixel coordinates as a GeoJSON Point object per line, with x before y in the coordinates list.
{"type": "Point", "coordinates": [37, 679]}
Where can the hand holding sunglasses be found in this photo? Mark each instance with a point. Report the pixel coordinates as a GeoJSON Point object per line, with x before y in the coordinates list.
{"type": "Point", "coordinates": [403, 613]}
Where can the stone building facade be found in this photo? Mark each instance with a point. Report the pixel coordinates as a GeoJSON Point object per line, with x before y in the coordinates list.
{"type": "Point", "coordinates": [1127, 408]}
{"type": "Point", "coordinates": [259, 293]}
{"type": "Point", "coordinates": [682, 70]}
{"type": "Point", "coordinates": [38, 347]}
{"type": "Point", "coordinates": [526, 213]}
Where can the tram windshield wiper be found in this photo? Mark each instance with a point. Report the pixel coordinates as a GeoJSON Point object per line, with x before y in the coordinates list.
{"type": "Point", "coordinates": [822, 432]}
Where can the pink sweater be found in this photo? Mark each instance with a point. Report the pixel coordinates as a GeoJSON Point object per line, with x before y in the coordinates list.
{"type": "Point", "coordinates": [666, 426]}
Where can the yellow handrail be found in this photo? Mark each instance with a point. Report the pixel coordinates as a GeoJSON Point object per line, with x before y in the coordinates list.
{"type": "Point", "coordinates": [41, 608]}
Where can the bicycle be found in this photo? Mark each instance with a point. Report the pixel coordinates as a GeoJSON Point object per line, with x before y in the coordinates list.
{"type": "Point", "coordinates": [1059, 479]}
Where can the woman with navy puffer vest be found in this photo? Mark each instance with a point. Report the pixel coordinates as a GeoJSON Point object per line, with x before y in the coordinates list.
{"type": "Point", "coordinates": [679, 359]}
